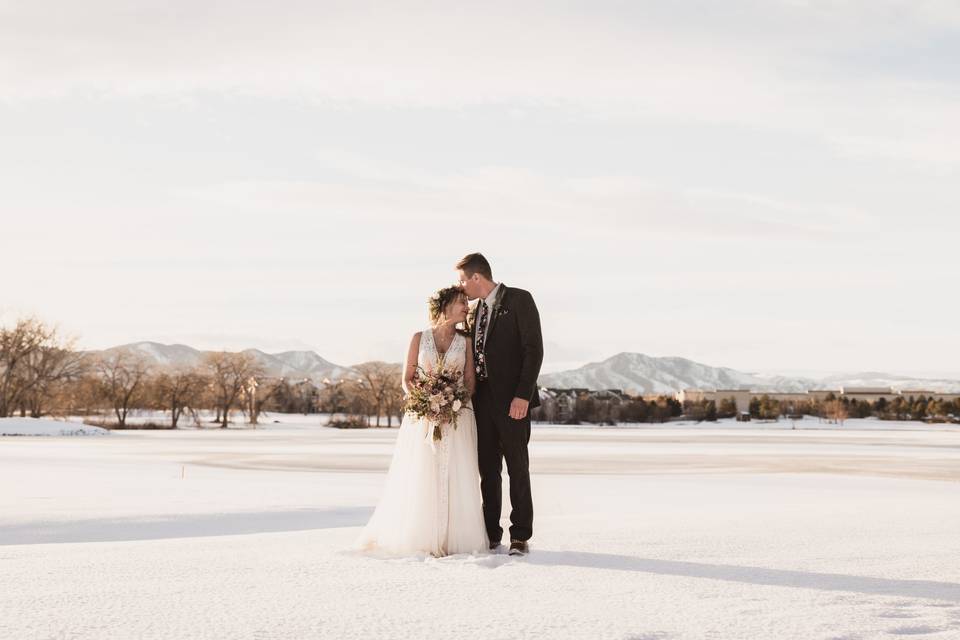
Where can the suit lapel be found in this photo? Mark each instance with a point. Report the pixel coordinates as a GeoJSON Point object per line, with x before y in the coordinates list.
{"type": "Point", "coordinates": [494, 312]}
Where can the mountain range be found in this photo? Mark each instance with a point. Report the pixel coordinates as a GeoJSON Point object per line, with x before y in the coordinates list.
{"type": "Point", "coordinates": [640, 373]}
{"type": "Point", "coordinates": [288, 364]}
{"type": "Point", "coordinates": [631, 372]}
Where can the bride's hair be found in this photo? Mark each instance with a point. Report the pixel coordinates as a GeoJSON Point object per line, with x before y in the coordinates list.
{"type": "Point", "coordinates": [439, 300]}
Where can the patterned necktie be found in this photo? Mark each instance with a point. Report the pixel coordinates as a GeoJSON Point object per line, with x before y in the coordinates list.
{"type": "Point", "coordinates": [479, 357]}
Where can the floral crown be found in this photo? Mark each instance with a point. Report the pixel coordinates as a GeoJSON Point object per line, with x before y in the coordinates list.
{"type": "Point", "coordinates": [439, 300]}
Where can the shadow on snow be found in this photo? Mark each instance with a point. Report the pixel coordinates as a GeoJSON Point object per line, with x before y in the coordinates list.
{"type": "Point", "coordinates": [949, 591]}
{"type": "Point", "coordinates": [182, 526]}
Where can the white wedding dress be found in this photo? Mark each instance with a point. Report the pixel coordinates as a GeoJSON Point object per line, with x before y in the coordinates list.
{"type": "Point", "coordinates": [431, 501]}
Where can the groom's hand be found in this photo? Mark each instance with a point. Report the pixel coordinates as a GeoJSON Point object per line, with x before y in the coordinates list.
{"type": "Point", "coordinates": [518, 408]}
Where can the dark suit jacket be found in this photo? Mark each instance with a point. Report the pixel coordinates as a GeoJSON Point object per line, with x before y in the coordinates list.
{"type": "Point", "coordinates": [514, 347]}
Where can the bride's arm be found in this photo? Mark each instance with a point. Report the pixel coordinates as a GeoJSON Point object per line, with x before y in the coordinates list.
{"type": "Point", "coordinates": [410, 367]}
{"type": "Point", "coordinates": [469, 373]}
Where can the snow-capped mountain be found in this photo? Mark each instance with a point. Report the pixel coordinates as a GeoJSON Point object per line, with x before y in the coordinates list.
{"type": "Point", "coordinates": [299, 364]}
{"type": "Point", "coordinates": [640, 373]}
{"type": "Point", "coordinates": [164, 355]}
{"type": "Point", "coordinates": [289, 364]}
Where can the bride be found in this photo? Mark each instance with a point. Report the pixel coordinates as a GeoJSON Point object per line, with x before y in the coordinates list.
{"type": "Point", "coordinates": [431, 501]}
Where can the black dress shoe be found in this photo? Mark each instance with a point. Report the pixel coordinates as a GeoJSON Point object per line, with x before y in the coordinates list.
{"type": "Point", "coordinates": [494, 545]}
{"type": "Point", "coordinates": [519, 548]}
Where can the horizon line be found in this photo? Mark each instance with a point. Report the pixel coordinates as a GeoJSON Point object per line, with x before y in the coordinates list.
{"type": "Point", "coordinates": [787, 373]}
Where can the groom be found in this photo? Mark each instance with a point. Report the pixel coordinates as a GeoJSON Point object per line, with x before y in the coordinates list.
{"type": "Point", "coordinates": [508, 350]}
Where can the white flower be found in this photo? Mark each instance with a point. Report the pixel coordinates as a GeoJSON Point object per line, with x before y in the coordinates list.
{"type": "Point", "coordinates": [456, 405]}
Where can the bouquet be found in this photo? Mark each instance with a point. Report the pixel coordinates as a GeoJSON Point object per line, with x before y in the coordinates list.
{"type": "Point", "coordinates": [438, 397]}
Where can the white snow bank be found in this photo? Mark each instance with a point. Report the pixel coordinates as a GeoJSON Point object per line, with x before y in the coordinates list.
{"type": "Point", "coordinates": [46, 427]}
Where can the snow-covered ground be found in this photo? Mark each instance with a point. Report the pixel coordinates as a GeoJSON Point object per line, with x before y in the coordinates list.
{"type": "Point", "coordinates": [684, 531]}
{"type": "Point", "coordinates": [46, 427]}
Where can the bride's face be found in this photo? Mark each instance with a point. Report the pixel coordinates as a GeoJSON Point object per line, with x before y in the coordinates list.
{"type": "Point", "coordinates": [456, 311]}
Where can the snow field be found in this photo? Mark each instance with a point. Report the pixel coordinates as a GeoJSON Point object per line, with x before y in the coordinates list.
{"type": "Point", "coordinates": [247, 534]}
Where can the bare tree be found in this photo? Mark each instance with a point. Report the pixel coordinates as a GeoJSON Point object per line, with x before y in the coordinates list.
{"type": "Point", "coordinates": [393, 405]}
{"type": "Point", "coordinates": [258, 392]}
{"type": "Point", "coordinates": [229, 374]}
{"type": "Point", "coordinates": [348, 401]}
{"type": "Point", "coordinates": [836, 411]}
{"type": "Point", "coordinates": [83, 396]}
{"type": "Point", "coordinates": [177, 390]}
{"type": "Point", "coordinates": [17, 345]}
{"type": "Point", "coordinates": [298, 396]}
{"type": "Point", "coordinates": [359, 402]}
{"type": "Point", "coordinates": [380, 383]}
{"type": "Point", "coordinates": [49, 370]}
{"type": "Point", "coordinates": [332, 398]}
{"type": "Point", "coordinates": [123, 376]}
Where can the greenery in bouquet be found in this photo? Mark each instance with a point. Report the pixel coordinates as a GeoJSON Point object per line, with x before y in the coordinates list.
{"type": "Point", "coordinates": [438, 397]}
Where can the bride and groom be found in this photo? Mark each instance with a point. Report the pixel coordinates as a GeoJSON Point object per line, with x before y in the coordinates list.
{"type": "Point", "coordinates": [432, 502]}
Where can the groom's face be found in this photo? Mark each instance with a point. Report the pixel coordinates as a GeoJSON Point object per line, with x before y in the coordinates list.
{"type": "Point", "coordinates": [470, 284]}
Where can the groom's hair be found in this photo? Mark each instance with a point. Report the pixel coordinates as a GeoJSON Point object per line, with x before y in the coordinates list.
{"type": "Point", "coordinates": [475, 263]}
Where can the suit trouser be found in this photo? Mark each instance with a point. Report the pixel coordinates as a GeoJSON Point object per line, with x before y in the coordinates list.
{"type": "Point", "coordinates": [499, 438]}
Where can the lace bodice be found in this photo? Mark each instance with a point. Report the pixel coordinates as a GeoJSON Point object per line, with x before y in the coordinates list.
{"type": "Point", "coordinates": [455, 359]}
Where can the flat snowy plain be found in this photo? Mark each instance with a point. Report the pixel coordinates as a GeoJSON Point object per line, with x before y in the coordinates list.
{"type": "Point", "coordinates": [684, 531]}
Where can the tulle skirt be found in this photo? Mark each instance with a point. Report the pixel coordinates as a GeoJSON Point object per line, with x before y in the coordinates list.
{"type": "Point", "coordinates": [431, 500]}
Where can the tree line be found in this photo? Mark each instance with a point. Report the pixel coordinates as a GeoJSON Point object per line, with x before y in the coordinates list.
{"type": "Point", "coordinates": [605, 408]}
{"type": "Point", "coordinates": [43, 374]}
{"type": "Point", "coordinates": [837, 408]}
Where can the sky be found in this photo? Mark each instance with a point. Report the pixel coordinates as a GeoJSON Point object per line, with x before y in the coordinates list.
{"type": "Point", "coordinates": [768, 186]}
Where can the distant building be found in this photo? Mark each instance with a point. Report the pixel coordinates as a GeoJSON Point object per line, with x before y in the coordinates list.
{"type": "Point", "coordinates": [741, 397]}
{"type": "Point", "coordinates": [558, 405]}
{"type": "Point", "coordinates": [936, 395]}
{"type": "Point", "coordinates": [946, 397]}
{"type": "Point", "coordinates": [694, 395]}
{"type": "Point", "coordinates": [867, 394]}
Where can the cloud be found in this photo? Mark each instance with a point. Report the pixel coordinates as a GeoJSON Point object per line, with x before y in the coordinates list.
{"type": "Point", "coordinates": [671, 158]}
{"type": "Point", "coordinates": [790, 66]}
{"type": "Point", "coordinates": [516, 197]}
